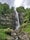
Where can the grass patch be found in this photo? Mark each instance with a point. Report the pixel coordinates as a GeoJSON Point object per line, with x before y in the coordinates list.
{"type": "Point", "coordinates": [27, 28]}
{"type": "Point", "coordinates": [3, 27]}
{"type": "Point", "coordinates": [2, 34]}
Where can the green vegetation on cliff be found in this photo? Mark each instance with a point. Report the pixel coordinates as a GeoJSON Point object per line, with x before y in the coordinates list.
{"type": "Point", "coordinates": [26, 21]}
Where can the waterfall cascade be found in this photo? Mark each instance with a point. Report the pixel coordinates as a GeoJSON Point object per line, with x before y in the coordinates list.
{"type": "Point", "coordinates": [17, 22]}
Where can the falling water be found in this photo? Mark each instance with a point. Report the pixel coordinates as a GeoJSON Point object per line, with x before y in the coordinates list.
{"type": "Point", "coordinates": [17, 17]}
{"type": "Point", "coordinates": [17, 22]}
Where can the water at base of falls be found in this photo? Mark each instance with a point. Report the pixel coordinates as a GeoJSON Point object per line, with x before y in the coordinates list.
{"type": "Point", "coordinates": [17, 17]}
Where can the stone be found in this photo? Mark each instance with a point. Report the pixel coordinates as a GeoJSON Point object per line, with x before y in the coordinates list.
{"type": "Point", "coordinates": [23, 36]}
{"type": "Point", "coordinates": [13, 33]}
{"type": "Point", "coordinates": [8, 20]}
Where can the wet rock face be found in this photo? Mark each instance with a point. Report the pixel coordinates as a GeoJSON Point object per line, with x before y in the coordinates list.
{"type": "Point", "coordinates": [21, 17]}
{"type": "Point", "coordinates": [8, 20]}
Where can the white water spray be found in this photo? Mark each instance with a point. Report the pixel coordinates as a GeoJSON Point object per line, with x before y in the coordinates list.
{"type": "Point", "coordinates": [17, 22]}
{"type": "Point", "coordinates": [17, 17]}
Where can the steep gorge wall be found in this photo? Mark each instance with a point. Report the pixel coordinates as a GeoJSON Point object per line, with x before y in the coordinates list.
{"type": "Point", "coordinates": [7, 19]}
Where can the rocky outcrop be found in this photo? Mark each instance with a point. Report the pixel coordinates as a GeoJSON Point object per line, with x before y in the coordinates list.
{"type": "Point", "coordinates": [8, 20]}
{"type": "Point", "coordinates": [19, 36]}
{"type": "Point", "coordinates": [23, 36]}
{"type": "Point", "coordinates": [21, 14]}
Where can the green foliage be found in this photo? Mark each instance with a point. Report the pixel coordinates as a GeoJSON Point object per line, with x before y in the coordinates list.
{"type": "Point", "coordinates": [12, 10]}
{"type": "Point", "coordinates": [20, 9]}
{"type": "Point", "coordinates": [3, 27]}
{"type": "Point", "coordinates": [27, 28]}
{"type": "Point", "coordinates": [2, 34]}
{"type": "Point", "coordinates": [26, 21]}
{"type": "Point", "coordinates": [4, 8]}
{"type": "Point", "coordinates": [26, 13]}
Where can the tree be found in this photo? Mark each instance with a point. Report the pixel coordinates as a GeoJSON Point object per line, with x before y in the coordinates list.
{"type": "Point", "coordinates": [20, 9]}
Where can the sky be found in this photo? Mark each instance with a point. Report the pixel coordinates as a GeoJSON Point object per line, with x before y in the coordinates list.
{"type": "Point", "coordinates": [17, 3]}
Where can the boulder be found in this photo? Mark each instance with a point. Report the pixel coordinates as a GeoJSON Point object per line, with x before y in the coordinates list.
{"type": "Point", "coordinates": [23, 36]}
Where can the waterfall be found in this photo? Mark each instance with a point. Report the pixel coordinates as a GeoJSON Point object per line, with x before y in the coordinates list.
{"type": "Point", "coordinates": [17, 17]}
